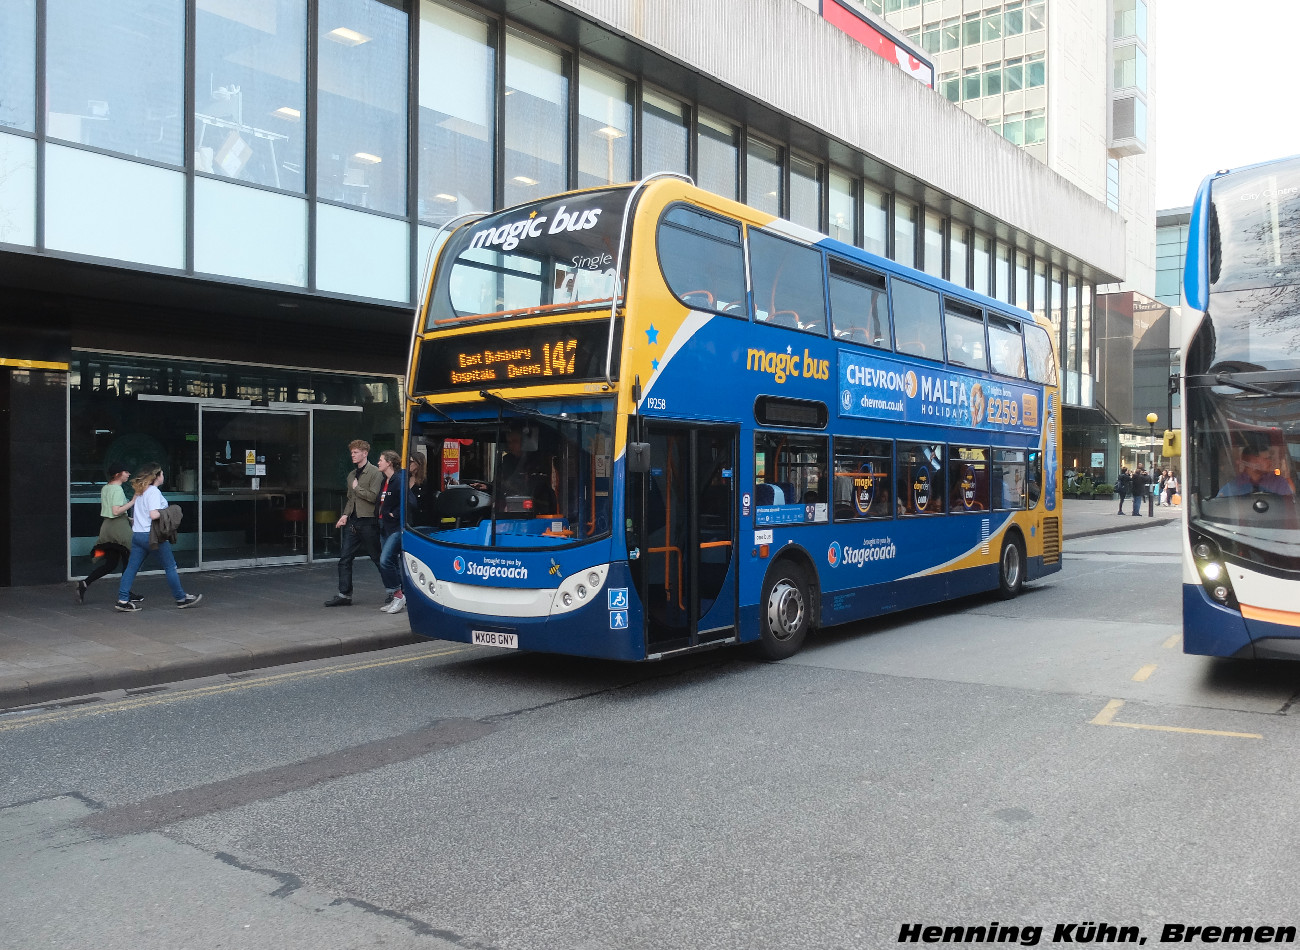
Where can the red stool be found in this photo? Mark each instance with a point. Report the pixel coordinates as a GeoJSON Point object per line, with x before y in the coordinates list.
{"type": "Point", "coordinates": [295, 526]}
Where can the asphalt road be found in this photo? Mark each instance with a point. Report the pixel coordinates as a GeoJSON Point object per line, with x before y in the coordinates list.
{"type": "Point", "coordinates": [1052, 760]}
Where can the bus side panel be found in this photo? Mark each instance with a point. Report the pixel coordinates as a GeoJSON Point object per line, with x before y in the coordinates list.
{"type": "Point", "coordinates": [1210, 629]}
{"type": "Point", "coordinates": [847, 606]}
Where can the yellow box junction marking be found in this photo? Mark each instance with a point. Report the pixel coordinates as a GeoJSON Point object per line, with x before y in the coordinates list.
{"type": "Point", "coordinates": [1107, 718]}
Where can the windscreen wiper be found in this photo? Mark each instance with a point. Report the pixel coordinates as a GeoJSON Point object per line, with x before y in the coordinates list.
{"type": "Point", "coordinates": [1223, 379]}
{"type": "Point", "coordinates": [429, 404]}
{"type": "Point", "coordinates": [528, 411]}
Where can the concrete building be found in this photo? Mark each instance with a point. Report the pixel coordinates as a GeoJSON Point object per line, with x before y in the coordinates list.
{"type": "Point", "coordinates": [1072, 83]}
{"type": "Point", "coordinates": [214, 213]}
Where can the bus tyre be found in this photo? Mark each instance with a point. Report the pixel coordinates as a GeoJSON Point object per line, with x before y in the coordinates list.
{"type": "Point", "coordinates": [1011, 568]}
{"type": "Point", "coordinates": [785, 613]}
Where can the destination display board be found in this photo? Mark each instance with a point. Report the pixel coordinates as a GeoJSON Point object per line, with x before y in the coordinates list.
{"type": "Point", "coordinates": [523, 356]}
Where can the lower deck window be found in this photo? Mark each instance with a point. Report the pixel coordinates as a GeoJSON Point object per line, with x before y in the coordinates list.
{"type": "Point", "coordinates": [864, 479]}
{"type": "Point", "coordinates": [922, 478]}
{"type": "Point", "coordinates": [1009, 483]}
{"type": "Point", "coordinates": [968, 478]}
{"type": "Point", "coordinates": [791, 479]}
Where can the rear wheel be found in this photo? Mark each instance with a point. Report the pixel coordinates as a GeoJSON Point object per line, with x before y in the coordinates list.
{"type": "Point", "coordinates": [785, 613]}
{"type": "Point", "coordinates": [1011, 568]}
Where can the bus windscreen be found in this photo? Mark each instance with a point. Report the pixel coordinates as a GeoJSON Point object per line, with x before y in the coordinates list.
{"type": "Point", "coordinates": [557, 255]}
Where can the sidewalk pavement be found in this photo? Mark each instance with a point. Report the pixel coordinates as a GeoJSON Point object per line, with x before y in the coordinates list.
{"type": "Point", "coordinates": [52, 648]}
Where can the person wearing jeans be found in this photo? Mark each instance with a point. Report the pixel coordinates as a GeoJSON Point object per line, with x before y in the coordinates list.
{"type": "Point", "coordinates": [389, 510]}
{"type": "Point", "coordinates": [149, 505]}
{"type": "Point", "coordinates": [1141, 488]}
{"type": "Point", "coordinates": [358, 521]}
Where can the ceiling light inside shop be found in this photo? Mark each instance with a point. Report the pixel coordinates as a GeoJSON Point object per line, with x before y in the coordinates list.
{"type": "Point", "coordinates": [525, 180]}
{"type": "Point", "coordinates": [610, 132]}
{"type": "Point", "coordinates": [287, 112]}
{"type": "Point", "coordinates": [367, 158]}
{"type": "Point", "coordinates": [441, 197]}
{"type": "Point", "coordinates": [347, 37]}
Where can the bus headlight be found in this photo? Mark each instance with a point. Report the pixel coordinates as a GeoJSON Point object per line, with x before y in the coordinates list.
{"type": "Point", "coordinates": [580, 588]}
{"type": "Point", "coordinates": [421, 575]}
{"type": "Point", "coordinates": [1213, 570]}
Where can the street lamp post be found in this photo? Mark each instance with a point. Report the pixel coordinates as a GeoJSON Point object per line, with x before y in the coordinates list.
{"type": "Point", "coordinates": [1151, 498]}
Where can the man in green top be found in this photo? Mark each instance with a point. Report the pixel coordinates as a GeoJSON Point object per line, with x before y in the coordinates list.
{"type": "Point", "coordinates": [359, 523]}
{"type": "Point", "coordinates": [113, 546]}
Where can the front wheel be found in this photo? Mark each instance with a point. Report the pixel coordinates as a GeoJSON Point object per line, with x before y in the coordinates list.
{"type": "Point", "coordinates": [1011, 568]}
{"type": "Point", "coordinates": [785, 614]}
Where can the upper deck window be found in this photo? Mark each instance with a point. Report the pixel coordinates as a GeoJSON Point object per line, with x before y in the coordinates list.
{"type": "Point", "coordinates": [555, 255]}
{"type": "Point", "coordinates": [703, 260]}
{"type": "Point", "coordinates": [859, 305]}
{"type": "Point", "coordinates": [1006, 347]}
{"type": "Point", "coordinates": [1038, 354]}
{"type": "Point", "coordinates": [789, 290]}
{"type": "Point", "coordinates": [1254, 270]}
{"type": "Point", "coordinates": [917, 329]}
{"type": "Point", "coordinates": [964, 327]}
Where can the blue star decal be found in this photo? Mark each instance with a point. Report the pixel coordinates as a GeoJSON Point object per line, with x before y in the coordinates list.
{"type": "Point", "coordinates": [654, 364]}
{"type": "Point", "coordinates": [652, 334]}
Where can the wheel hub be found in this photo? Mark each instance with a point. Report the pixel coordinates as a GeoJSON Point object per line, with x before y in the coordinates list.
{"type": "Point", "coordinates": [785, 610]}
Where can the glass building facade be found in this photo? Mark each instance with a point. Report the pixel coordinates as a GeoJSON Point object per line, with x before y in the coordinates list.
{"type": "Point", "coordinates": [225, 206]}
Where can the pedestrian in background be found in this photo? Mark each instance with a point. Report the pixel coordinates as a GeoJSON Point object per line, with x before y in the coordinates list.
{"type": "Point", "coordinates": [358, 521]}
{"type": "Point", "coordinates": [390, 530]}
{"type": "Point", "coordinates": [1141, 488]}
{"type": "Point", "coordinates": [149, 505]}
{"type": "Point", "coordinates": [417, 490]}
{"type": "Point", "coordinates": [1171, 488]}
{"type": "Point", "coordinates": [1160, 487]}
{"type": "Point", "coordinates": [113, 546]}
{"type": "Point", "coordinates": [1123, 486]}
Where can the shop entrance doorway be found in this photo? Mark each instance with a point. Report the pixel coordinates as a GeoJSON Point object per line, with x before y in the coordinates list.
{"type": "Point", "coordinates": [255, 475]}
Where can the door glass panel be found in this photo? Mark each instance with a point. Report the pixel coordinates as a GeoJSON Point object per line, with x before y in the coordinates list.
{"type": "Point", "coordinates": [667, 537]}
{"type": "Point", "coordinates": [715, 481]}
{"type": "Point", "coordinates": [255, 476]}
{"type": "Point", "coordinates": [686, 535]}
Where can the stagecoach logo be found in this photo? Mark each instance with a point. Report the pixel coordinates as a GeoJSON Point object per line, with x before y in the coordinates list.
{"type": "Point", "coordinates": [492, 567]}
{"type": "Point", "coordinates": [871, 549]}
{"type": "Point", "coordinates": [507, 236]}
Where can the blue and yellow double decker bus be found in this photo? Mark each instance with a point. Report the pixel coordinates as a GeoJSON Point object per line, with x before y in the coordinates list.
{"type": "Point", "coordinates": [1241, 407]}
{"type": "Point", "coordinates": [656, 421]}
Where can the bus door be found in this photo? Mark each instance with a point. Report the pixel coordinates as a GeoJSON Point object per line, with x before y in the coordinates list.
{"type": "Point", "coordinates": [686, 574]}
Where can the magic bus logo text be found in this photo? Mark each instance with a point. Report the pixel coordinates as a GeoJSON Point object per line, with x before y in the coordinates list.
{"type": "Point", "coordinates": [508, 236]}
{"type": "Point", "coordinates": [781, 365]}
